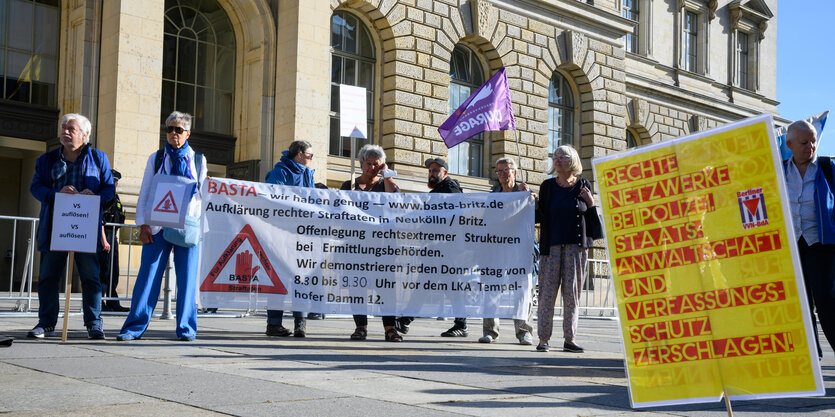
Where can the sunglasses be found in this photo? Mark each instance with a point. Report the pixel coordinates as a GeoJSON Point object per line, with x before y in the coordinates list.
{"type": "Point", "coordinates": [177, 129]}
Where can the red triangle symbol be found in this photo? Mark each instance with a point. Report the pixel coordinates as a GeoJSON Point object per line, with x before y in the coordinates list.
{"type": "Point", "coordinates": [752, 205]}
{"type": "Point", "coordinates": [167, 204]}
{"type": "Point", "coordinates": [246, 233]}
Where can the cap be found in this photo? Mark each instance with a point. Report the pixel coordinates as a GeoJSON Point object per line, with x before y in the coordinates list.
{"type": "Point", "coordinates": [116, 175]}
{"type": "Point", "coordinates": [439, 161]}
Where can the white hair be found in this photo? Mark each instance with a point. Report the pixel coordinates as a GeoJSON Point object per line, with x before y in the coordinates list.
{"type": "Point", "coordinates": [371, 150]}
{"type": "Point", "coordinates": [511, 163]}
{"type": "Point", "coordinates": [576, 165]}
{"type": "Point", "coordinates": [798, 127]}
{"type": "Point", "coordinates": [178, 117]}
{"type": "Point", "coordinates": [83, 123]}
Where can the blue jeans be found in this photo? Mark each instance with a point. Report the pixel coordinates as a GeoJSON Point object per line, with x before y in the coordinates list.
{"type": "Point", "coordinates": [53, 265]}
{"type": "Point", "coordinates": [149, 280]}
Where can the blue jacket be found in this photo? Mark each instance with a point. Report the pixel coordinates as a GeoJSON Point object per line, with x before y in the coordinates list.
{"type": "Point", "coordinates": [290, 172]}
{"type": "Point", "coordinates": [824, 203]}
{"type": "Point", "coordinates": [97, 178]}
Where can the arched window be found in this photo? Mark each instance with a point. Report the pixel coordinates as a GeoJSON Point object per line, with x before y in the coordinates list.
{"type": "Point", "coordinates": [560, 113]}
{"type": "Point", "coordinates": [198, 64]}
{"type": "Point", "coordinates": [466, 75]}
{"type": "Point", "coordinates": [631, 142]}
{"type": "Point", "coordinates": [352, 63]}
{"type": "Point", "coordinates": [29, 50]}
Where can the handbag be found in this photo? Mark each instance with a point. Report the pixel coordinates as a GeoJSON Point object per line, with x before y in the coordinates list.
{"type": "Point", "coordinates": [594, 229]}
{"type": "Point", "coordinates": [187, 237]}
{"type": "Point", "coordinates": [593, 226]}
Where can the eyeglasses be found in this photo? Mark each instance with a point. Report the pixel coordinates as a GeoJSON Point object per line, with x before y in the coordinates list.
{"type": "Point", "coordinates": [309, 155]}
{"type": "Point", "coordinates": [563, 157]}
{"type": "Point", "coordinates": [503, 171]}
{"type": "Point", "coordinates": [177, 129]}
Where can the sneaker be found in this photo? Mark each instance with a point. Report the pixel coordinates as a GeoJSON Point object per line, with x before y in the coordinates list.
{"type": "Point", "coordinates": [486, 339]}
{"type": "Point", "coordinates": [526, 339]}
{"type": "Point", "coordinates": [95, 332]}
{"type": "Point", "coordinates": [571, 347]}
{"type": "Point", "coordinates": [126, 337]}
{"type": "Point", "coordinates": [542, 348]}
{"type": "Point", "coordinates": [187, 338]}
{"type": "Point", "coordinates": [315, 316]}
{"type": "Point", "coordinates": [277, 330]}
{"type": "Point", "coordinates": [401, 326]}
{"type": "Point", "coordinates": [40, 331]}
{"type": "Point", "coordinates": [299, 329]}
{"type": "Point", "coordinates": [456, 331]}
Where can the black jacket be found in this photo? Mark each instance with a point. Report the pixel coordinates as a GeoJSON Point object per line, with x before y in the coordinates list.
{"type": "Point", "coordinates": [447, 186]}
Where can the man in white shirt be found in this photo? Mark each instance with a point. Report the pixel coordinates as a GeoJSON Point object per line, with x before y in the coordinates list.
{"type": "Point", "coordinates": [812, 210]}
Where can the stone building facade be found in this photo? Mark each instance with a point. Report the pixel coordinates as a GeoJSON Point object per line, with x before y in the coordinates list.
{"type": "Point", "coordinates": [601, 75]}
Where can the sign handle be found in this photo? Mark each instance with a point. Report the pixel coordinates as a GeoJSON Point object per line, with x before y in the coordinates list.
{"type": "Point", "coordinates": [353, 158]}
{"type": "Point", "coordinates": [727, 402]}
{"type": "Point", "coordinates": [68, 291]}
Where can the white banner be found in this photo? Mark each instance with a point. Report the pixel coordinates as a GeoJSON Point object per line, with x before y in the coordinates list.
{"type": "Point", "coordinates": [350, 252]}
{"type": "Point", "coordinates": [75, 223]}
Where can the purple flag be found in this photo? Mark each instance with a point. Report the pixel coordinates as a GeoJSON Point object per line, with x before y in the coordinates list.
{"type": "Point", "coordinates": [488, 108]}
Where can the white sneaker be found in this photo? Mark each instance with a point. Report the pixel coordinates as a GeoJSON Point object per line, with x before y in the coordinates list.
{"type": "Point", "coordinates": [486, 339]}
{"type": "Point", "coordinates": [526, 340]}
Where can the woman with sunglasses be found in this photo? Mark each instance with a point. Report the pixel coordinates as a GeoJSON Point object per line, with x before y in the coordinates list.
{"type": "Point", "coordinates": [564, 200]}
{"type": "Point", "coordinates": [177, 159]}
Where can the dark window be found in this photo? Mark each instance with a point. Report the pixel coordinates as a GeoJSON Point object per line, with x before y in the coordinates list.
{"type": "Point", "coordinates": [630, 140]}
{"type": "Point", "coordinates": [691, 37]}
{"type": "Point", "coordinates": [742, 59]}
{"type": "Point", "coordinates": [352, 63]}
{"type": "Point", "coordinates": [629, 10]}
{"type": "Point", "coordinates": [198, 64]}
{"type": "Point", "coordinates": [466, 75]}
{"type": "Point", "coordinates": [560, 113]}
{"type": "Point", "coordinates": [29, 50]}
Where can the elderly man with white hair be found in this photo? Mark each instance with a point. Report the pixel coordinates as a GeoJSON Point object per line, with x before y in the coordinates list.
{"type": "Point", "coordinates": [73, 168]}
{"type": "Point", "coordinates": [809, 183]}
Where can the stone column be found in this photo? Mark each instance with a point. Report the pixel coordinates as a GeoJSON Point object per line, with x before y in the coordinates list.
{"type": "Point", "coordinates": [130, 88]}
{"type": "Point", "coordinates": [303, 79]}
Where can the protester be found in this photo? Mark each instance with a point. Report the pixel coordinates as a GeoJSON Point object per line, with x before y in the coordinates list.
{"type": "Point", "coordinates": [176, 159]}
{"type": "Point", "coordinates": [113, 212]}
{"type": "Point", "coordinates": [439, 181]}
{"type": "Point", "coordinates": [564, 200]}
{"type": "Point", "coordinates": [809, 184]}
{"type": "Point", "coordinates": [71, 167]}
{"type": "Point", "coordinates": [372, 160]}
{"type": "Point", "coordinates": [506, 172]}
{"type": "Point", "coordinates": [292, 169]}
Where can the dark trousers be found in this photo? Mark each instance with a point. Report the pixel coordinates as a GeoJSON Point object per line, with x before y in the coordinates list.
{"type": "Point", "coordinates": [361, 320]}
{"type": "Point", "coordinates": [818, 263]}
{"type": "Point", "coordinates": [109, 281]}
{"type": "Point", "coordinates": [276, 317]}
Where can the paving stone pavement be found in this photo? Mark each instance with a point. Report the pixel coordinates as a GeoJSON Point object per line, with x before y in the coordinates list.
{"type": "Point", "coordinates": [233, 369]}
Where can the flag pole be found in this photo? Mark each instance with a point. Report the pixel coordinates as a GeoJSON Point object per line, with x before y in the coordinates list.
{"type": "Point", "coordinates": [519, 157]}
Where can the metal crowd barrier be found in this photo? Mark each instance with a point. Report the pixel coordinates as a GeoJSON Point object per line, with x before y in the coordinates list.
{"type": "Point", "coordinates": [597, 300]}
{"type": "Point", "coordinates": [23, 299]}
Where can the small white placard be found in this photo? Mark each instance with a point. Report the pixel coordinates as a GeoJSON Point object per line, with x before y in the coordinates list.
{"type": "Point", "coordinates": [169, 206]}
{"type": "Point", "coordinates": [353, 113]}
{"type": "Point", "coordinates": [75, 223]}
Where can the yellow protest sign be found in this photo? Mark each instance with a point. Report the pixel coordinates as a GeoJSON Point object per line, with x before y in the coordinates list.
{"type": "Point", "coordinates": [706, 271]}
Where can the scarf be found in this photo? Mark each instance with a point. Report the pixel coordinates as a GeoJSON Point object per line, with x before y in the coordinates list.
{"type": "Point", "coordinates": [179, 160]}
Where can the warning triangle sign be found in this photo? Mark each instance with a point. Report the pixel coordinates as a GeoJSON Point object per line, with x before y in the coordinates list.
{"type": "Point", "coordinates": [244, 285]}
{"type": "Point", "coordinates": [167, 204]}
{"type": "Point", "coordinates": [752, 205]}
